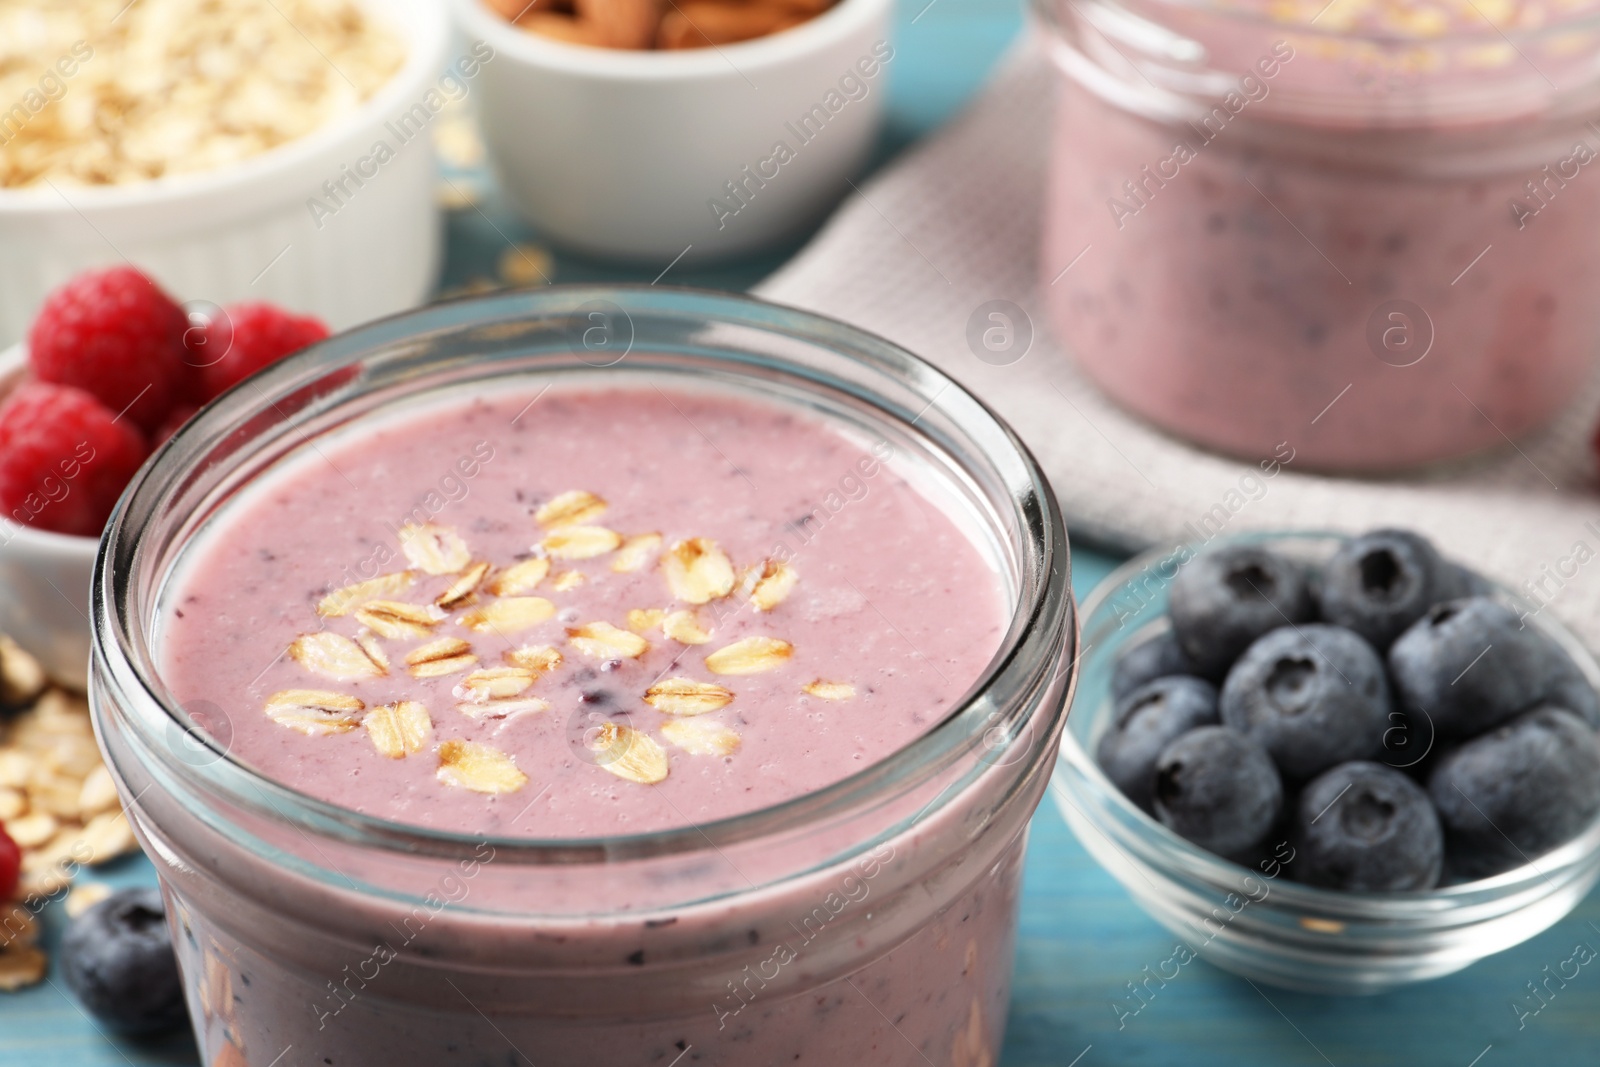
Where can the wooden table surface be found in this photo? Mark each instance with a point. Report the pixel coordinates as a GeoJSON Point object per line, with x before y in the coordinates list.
{"type": "Point", "coordinates": [1082, 939]}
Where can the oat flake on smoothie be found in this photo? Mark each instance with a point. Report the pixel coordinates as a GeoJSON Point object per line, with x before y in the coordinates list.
{"type": "Point", "coordinates": [104, 92]}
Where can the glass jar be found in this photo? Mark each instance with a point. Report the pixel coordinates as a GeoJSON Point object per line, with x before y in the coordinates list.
{"type": "Point", "coordinates": [1373, 241]}
{"type": "Point", "coordinates": [871, 922]}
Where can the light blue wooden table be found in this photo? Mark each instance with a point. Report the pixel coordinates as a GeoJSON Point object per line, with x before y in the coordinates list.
{"type": "Point", "coordinates": [1082, 940]}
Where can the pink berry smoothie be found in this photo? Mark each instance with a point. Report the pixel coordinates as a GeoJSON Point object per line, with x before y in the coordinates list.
{"type": "Point", "coordinates": [578, 614]}
{"type": "Point", "coordinates": [1380, 254]}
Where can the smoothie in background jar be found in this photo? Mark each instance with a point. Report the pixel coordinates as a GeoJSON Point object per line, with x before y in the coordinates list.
{"type": "Point", "coordinates": [1368, 230]}
{"type": "Point", "coordinates": [618, 719]}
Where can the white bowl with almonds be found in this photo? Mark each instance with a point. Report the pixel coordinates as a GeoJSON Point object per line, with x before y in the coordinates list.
{"type": "Point", "coordinates": [660, 128]}
{"type": "Point", "coordinates": [231, 151]}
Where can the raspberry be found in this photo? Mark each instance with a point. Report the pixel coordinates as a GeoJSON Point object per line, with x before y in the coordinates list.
{"type": "Point", "coordinates": [64, 458]}
{"type": "Point", "coordinates": [10, 864]}
{"type": "Point", "coordinates": [115, 335]}
{"type": "Point", "coordinates": [251, 337]}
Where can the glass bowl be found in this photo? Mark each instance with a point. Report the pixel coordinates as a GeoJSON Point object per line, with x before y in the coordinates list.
{"type": "Point", "coordinates": [1255, 922]}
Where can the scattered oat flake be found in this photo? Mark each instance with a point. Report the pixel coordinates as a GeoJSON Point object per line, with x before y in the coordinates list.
{"type": "Point", "coordinates": [601, 640]}
{"type": "Point", "coordinates": [752, 655]}
{"type": "Point", "coordinates": [567, 581]}
{"type": "Point", "coordinates": [33, 829]}
{"type": "Point", "coordinates": [462, 590]}
{"type": "Point", "coordinates": [684, 696]}
{"type": "Point", "coordinates": [397, 730]}
{"type": "Point", "coordinates": [438, 658]}
{"type": "Point", "coordinates": [701, 737]}
{"type": "Point", "coordinates": [334, 656]}
{"type": "Point", "coordinates": [643, 620]}
{"type": "Point", "coordinates": [541, 659]}
{"type": "Point", "coordinates": [777, 581]}
{"type": "Point", "coordinates": [383, 587]}
{"type": "Point", "coordinates": [85, 897]}
{"type": "Point", "coordinates": [373, 648]}
{"type": "Point", "coordinates": [22, 967]}
{"type": "Point", "coordinates": [396, 620]}
{"type": "Point", "coordinates": [572, 508]}
{"type": "Point", "coordinates": [495, 683]}
{"type": "Point", "coordinates": [478, 767]}
{"type": "Point", "coordinates": [580, 542]}
{"type": "Point", "coordinates": [315, 712]}
{"type": "Point", "coordinates": [635, 552]}
{"type": "Point", "coordinates": [509, 615]}
{"type": "Point", "coordinates": [520, 578]}
{"type": "Point", "coordinates": [629, 754]}
{"type": "Point", "coordinates": [684, 627]}
{"type": "Point", "coordinates": [434, 549]}
{"type": "Point", "coordinates": [824, 690]}
{"type": "Point", "coordinates": [697, 571]}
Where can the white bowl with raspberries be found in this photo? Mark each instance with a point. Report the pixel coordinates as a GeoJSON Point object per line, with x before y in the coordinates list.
{"type": "Point", "coordinates": [297, 224]}
{"type": "Point", "coordinates": [113, 366]}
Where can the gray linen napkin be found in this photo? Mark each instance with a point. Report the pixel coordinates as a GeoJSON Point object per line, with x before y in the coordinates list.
{"type": "Point", "coordinates": [955, 224]}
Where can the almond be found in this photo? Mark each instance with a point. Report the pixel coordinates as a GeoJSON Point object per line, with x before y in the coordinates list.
{"type": "Point", "coordinates": [434, 549]}
{"type": "Point", "coordinates": [635, 552]}
{"type": "Point", "coordinates": [629, 754]}
{"type": "Point", "coordinates": [383, 587]}
{"type": "Point", "coordinates": [601, 640]}
{"type": "Point", "coordinates": [509, 615]}
{"type": "Point", "coordinates": [575, 507]}
{"type": "Point", "coordinates": [396, 620]}
{"type": "Point", "coordinates": [438, 658]}
{"type": "Point", "coordinates": [697, 571]}
{"type": "Point", "coordinates": [684, 627]}
{"type": "Point", "coordinates": [315, 712]}
{"type": "Point", "coordinates": [478, 767]}
{"type": "Point", "coordinates": [520, 578]}
{"type": "Point", "coordinates": [684, 696]}
{"type": "Point", "coordinates": [701, 737]}
{"type": "Point", "coordinates": [776, 582]}
{"type": "Point", "coordinates": [567, 581]}
{"type": "Point", "coordinates": [22, 967]}
{"type": "Point", "coordinates": [334, 656]}
{"type": "Point", "coordinates": [753, 655]}
{"type": "Point", "coordinates": [580, 542]}
{"type": "Point", "coordinates": [397, 730]}
{"type": "Point", "coordinates": [824, 690]}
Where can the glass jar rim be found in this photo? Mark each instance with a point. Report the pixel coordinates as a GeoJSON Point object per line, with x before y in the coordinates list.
{"type": "Point", "coordinates": [1047, 14]}
{"type": "Point", "coordinates": [1039, 640]}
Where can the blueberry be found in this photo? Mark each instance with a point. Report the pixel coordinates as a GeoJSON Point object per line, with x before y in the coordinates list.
{"type": "Point", "coordinates": [1219, 789]}
{"type": "Point", "coordinates": [1366, 827]}
{"type": "Point", "coordinates": [1147, 720]}
{"type": "Point", "coordinates": [1226, 598]}
{"type": "Point", "coordinates": [1511, 795]}
{"type": "Point", "coordinates": [1313, 695]}
{"type": "Point", "coordinates": [1158, 657]}
{"type": "Point", "coordinates": [1570, 688]}
{"type": "Point", "coordinates": [117, 957]}
{"type": "Point", "coordinates": [1471, 665]}
{"type": "Point", "coordinates": [1380, 583]}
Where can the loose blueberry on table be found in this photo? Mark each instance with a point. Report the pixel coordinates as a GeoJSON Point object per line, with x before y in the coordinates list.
{"type": "Point", "coordinates": [1273, 702]}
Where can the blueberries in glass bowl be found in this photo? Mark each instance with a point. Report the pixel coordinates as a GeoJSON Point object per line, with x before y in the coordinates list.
{"type": "Point", "coordinates": [1383, 711]}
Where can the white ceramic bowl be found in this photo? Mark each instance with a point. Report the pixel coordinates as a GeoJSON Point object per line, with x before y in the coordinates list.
{"type": "Point", "coordinates": [246, 231]}
{"type": "Point", "coordinates": [44, 582]}
{"type": "Point", "coordinates": [622, 153]}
